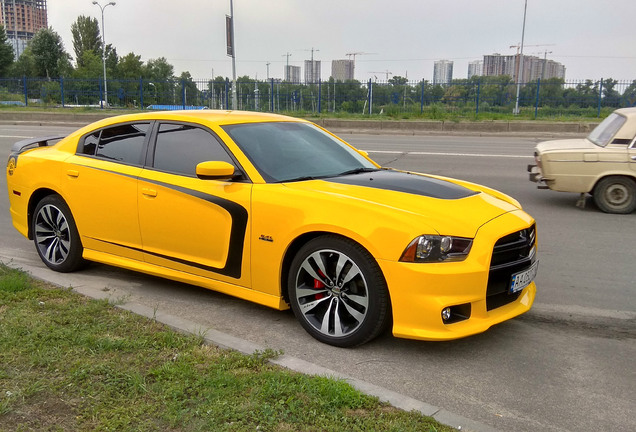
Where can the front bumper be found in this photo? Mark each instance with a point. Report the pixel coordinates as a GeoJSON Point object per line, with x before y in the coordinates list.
{"type": "Point", "coordinates": [536, 176]}
{"type": "Point", "coordinates": [420, 291]}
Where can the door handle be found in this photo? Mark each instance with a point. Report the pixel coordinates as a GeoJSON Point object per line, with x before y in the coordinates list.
{"type": "Point", "coordinates": [72, 173]}
{"type": "Point", "coordinates": [634, 158]}
{"type": "Point", "coordinates": [149, 192]}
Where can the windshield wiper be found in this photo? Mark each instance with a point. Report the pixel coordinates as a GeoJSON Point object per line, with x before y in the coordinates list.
{"type": "Point", "coordinates": [302, 178]}
{"type": "Point", "coordinates": [357, 171]}
{"type": "Point", "coordinates": [317, 177]}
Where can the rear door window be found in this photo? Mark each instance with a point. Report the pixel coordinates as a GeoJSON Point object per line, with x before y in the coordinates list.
{"type": "Point", "coordinates": [121, 143]}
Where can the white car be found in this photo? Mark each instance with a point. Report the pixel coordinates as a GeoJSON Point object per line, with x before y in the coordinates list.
{"type": "Point", "coordinates": [603, 164]}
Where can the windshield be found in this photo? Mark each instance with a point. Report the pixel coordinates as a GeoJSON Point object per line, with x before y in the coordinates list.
{"type": "Point", "coordinates": [288, 151]}
{"type": "Point", "coordinates": [602, 133]}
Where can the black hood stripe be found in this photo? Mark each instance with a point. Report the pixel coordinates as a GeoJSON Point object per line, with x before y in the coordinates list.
{"type": "Point", "coordinates": [406, 182]}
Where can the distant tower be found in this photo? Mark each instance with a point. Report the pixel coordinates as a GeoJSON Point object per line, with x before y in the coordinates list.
{"type": "Point", "coordinates": [292, 74]}
{"type": "Point", "coordinates": [474, 68]}
{"type": "Point", "coordinates": [342, 70]}
{"type": "Point", "coordinates": [312, 71]}
{"type": "Point", "coordinates": [442, 72]}
{"type": "Point", "coordinates": [21, 20]}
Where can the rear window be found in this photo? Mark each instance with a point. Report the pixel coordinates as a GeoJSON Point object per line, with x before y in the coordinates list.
{"type": "Point", "coordinates": [603, 133]}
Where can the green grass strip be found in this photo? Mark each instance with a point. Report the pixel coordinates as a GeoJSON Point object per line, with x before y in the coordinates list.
{"type": "Point", "coordinates": [71, 363]}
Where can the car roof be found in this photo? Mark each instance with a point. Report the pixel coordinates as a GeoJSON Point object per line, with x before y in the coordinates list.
{"type": "Point", "coordinates": [219, 117]}
{"type": "Point", "coordinates": [630, 112]}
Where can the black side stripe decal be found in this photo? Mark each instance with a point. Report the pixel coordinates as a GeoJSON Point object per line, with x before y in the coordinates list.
{"type": "Point", "coordinates": [238, 213]}
{"type": "Point", "coordinates": [239, 217]}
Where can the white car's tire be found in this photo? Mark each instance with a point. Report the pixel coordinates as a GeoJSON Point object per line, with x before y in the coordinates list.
{"type": "Point", "coordinates": [616, 194]}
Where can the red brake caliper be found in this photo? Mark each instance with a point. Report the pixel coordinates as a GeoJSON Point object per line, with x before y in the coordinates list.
{"type": "Point", "coordinates": [318, 285]}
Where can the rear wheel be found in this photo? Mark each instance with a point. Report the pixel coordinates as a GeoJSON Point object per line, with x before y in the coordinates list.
{"type": "Point", "coordinates": [616, 194]}
{"type": "Point", "coordinates": [337, 292]}
{"type": "Point", "coordinates": [55, 235]}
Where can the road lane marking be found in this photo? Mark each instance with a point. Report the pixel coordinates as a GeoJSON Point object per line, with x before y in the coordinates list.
{"type": "Point", "coordinates": [448, 154]}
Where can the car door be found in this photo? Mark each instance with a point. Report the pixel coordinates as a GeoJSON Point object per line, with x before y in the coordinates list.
{"type": "Point", "coordinates": [632, 155]}
{"type": "Point", "coordinates": [101, 188]}
{"type": "Point", "coordinates": [189, 224]}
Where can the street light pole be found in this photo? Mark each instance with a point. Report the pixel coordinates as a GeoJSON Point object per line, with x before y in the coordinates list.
{"type": "Point", "coordinates": [234, 101]}
{"type": "Point", "coordinates": [520, 73]}
{"type": "Point", "coordinates": [104, 48]}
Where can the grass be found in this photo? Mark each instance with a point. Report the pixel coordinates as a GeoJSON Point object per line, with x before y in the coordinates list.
{"type": "Point", "coordinates": [71, 363]}
{"type": "Point", "coordinates": [391, 112]}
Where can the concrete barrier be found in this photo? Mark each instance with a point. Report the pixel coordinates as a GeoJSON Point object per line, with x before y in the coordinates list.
{"type": "Point", "coordinates": [553, 127]}
{"type": "Point", "coordinates": [485, 126]}
{"type": "Point", "coordinates": [349, 125]}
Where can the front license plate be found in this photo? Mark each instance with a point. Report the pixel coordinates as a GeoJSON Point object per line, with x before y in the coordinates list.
{"type": "Point", "coordinates": [522, 279]}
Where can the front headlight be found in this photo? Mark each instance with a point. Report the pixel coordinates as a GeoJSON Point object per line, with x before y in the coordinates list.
{"type": "Point", "coordinates": [434, 248]}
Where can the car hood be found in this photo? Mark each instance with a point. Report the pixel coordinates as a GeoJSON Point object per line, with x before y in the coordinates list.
{"type": "Point", "coordinates": [567, 145]}
{"type": "Point", "coordinates": [441, 205]}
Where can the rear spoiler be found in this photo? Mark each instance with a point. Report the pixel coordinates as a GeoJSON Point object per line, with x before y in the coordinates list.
{"type": "Point", "coordinates": [30, 143]}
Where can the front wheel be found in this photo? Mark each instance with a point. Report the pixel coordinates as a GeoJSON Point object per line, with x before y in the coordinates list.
{"type": "Point", "coordinates": [337, 292]}
{"type": "Point", "coordinates": [55, 235]}
{"type": "Point", "coordinates": [616, 194]}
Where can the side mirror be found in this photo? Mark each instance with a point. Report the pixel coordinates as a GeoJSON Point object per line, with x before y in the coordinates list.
{"type": "Point", "coordinates": [215, 170]}
{"type": "Point", "coordinates": [363, 153]}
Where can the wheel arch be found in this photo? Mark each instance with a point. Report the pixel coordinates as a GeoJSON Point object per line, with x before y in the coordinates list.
{"type": "Point", "coordinates": [37, 196]}
{"type": "Point", "coordinates": [630, 176]}
{"type": "Point", "coordinates": [298, 243]}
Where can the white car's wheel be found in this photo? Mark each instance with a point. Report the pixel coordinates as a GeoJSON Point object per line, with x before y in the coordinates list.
{"type": "Point", "coordinates": [337, 292]}
{"type": "Point", "coordinates": [616, 194]}
{"type": "Point", "coordinates": [55, 235]}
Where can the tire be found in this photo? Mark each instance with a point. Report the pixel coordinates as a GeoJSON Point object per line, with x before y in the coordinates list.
{"type": "Point", "coordinates": [616, 194]}
{"type": "Point", "coordinates": [337, 292]}
{"type": "Point", "coordinates": [55, 235]}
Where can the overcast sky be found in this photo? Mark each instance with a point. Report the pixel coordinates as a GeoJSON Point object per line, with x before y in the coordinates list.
{"type": "Point", "coordinates": [593, 38]}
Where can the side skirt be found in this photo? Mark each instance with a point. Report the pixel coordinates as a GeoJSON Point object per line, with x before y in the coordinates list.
{"type": "Point", "coordinates": [275, 302]}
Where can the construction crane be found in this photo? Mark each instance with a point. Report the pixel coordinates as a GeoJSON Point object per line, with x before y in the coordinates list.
{"type": "Point", "coordinates": [545, 59]}
{"type": "Point", "coordinates": [354, 54]}
{"type": "Point", "coordinates": [286, 74]}
{"type": "Point", "coordinates": [313, 76]}
{"type": "Point", "coordinates": [384, 72]}
{"type": "Point", "coordinates": [518, 46]}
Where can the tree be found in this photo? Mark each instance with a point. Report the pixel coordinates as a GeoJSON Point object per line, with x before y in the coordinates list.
{"type": "Point", "coordinates": [50, 58]}
{"type": "Point", "coordinates": [191, 91]}
{"type": "Point", "coordinates": [91, 65]}
{"type": "Point", "coordinates": [398, 80]}
{"type": "Point", "coordinates": [129, 66]}
{"type": "Point", "coordinates": [112, 59]}
{"type": "Point", "coordinates": [86, 37]}
{"type": "Point", "coordinates": [629, 95]}
{"type": "Point", "coordinates": [161, 74]}
{"type": "Point", "coordinates": [6, 52]}
{"type": "Point", "coordinates": [24, 65]}
{"type": "Point", "coordinates": [611, 97]}
{"type": "Point", "coordinates": [159, 69]}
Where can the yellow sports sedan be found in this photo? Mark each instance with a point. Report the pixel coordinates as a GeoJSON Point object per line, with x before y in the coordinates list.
{"type": "Point", "coordinates": [280, 212]}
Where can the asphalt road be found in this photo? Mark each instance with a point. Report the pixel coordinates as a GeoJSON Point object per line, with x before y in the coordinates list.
{"type": "Point", "coordinates": [567, 365]}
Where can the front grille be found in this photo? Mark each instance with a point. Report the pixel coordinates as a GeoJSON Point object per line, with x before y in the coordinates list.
{"type": "Point", "coordinates": [511, 254]}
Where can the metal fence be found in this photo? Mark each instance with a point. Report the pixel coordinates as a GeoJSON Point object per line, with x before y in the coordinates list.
{"type": "Point", "coordinates": [465, 97]}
